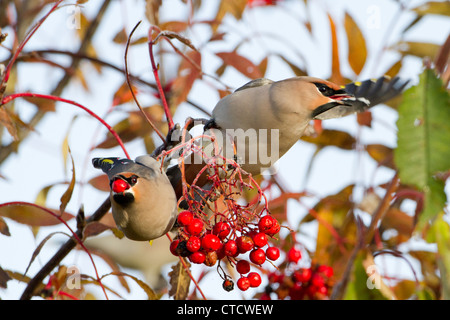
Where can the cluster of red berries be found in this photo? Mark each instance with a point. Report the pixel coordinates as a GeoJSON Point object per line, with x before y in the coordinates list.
{"type": "Point", "coordinates": [302, 283]}
{"type": "Point", "coordinates": [205, 244]}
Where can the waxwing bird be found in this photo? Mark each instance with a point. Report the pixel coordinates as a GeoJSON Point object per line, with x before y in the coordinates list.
{"type": "Point", "coordinates": [260, 121]}
{"type": "Point", "coordinates": [144, 205]}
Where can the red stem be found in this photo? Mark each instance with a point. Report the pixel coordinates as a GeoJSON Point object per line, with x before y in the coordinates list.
{"type": "Point", "coordinates": [158, 81]}
{"type": "Point", "coordinates": [50, 97]}
{"type": "Point", "coordinates": [24, 42]}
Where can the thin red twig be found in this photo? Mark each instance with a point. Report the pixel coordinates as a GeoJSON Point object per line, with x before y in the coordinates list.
{"type": "Point", "coordinates": [50, 97]}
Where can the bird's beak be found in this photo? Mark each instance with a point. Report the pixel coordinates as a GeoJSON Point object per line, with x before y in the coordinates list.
{"type": "Point", "coordinates": [341, 104]}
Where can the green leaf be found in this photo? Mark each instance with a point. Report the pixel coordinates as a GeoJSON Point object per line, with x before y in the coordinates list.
{"type": "Point", "coordinates": [423, 146]}
{"type": "Point", "coordinates": [362, 285]}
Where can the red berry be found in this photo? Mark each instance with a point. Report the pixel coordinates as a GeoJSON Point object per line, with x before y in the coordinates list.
{"type": "Point", "coordinates": [197, 257]}
{"type": "Point", "coordinates": [258, 256]}
{"type": "Point", "coordinates": [221, 229]}
{"type": "Point", "coordinates": [276, 277]}
{"type": "Point", "coordinates": [193, 244]}
{"type": "Point", "coordinates": [269, 225]}
{"type": "Point", "coordinates": [244, 243]}
{"type": "Point", "coordinates": [220, 251]}
{"type": "Point", "coordinates": [255, 279]}
{"type": "Point", "coordinates": [185, 218]}
{"type": "Point", "coordinates": [265, 223]}
{"type": "Point", "coordinates": [242, 266]}
{"type": "Point", "coordinates": [274, 229]}
{"type": "Point", "coordinates": [317, 280]}
{"type": "Point", "coordinates": [272, 253]}
{"type": "Point", "coordinates": [243, 283]}
{"type": "Point", "coordinates": [323, 290]}
{"type": "Point", "coordinates": [195, 228]}
{"type": "Point", "coordinates": [210, 242]}
{"type": "Point", "coordinates": [173, 247]}
{"type": "Point", "coordinates": [327, 271]}
{"type": "Point", "coordinates": [260, 239]}
{"type": "Point", "coordinates": [230, 248]}
{"type": "Point", "coordinates": [294, 255]}
{"type": "Point", "coordinates": [119, 186]}
{"type": "Point", "coordinates": [302, 275]}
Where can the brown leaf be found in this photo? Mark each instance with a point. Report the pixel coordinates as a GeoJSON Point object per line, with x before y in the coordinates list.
{"type": "Point", "coordinates": [364, 118]}
{"type": "Point", "coordinates": [152, 11]}
{"type": "Point", "coordinates": [175, 26]}
{"type": "Point", "coordinates": [4, 278]}
{"type": "Point", "coordinates": [241, 64]}
{"type": "Point", "coordinates": [188, 73]}
{"type": "Point", "coordinates": [6, 122]}
{"type": "Point", "coordinates": [100, 182]}
{"type": "Point", "coordinates": [381, 154]}
{"type": "Point", "coordinates": [123, 94]}
{"type": "Point", "coordinates": [297, 70]}
{"type": "Point", "coordinates": [121, 37]}
{"type": "Point", "coordinates": [400, 221]}
{"type": "Point", "coordinates": [32, 216]}
{"type": "Point", "coordinates": [357, 51]}
{"type": "Point", "coordinates": [179, 281]}
{"type": "Point", "coordinates": [235, 8]}
{"type": "Point", "coordinates": [4, 227]}
{"type": "Point", "coordinates": [94, 228]}
{"type": "Point", "coordinates": [45, 105]}
{"type": "Point", "coordinates": [134, 126]}
{"type": "Point", "coordinates": [329, 137]}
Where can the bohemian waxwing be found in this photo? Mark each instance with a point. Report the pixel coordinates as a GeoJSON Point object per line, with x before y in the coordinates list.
{"type": "Point", "coordinates": [144, 205]}
{"type": "Point", "coordinates": [265, 118]}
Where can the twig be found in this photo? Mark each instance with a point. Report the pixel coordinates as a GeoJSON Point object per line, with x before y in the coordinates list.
{"type": "Point", "coordinates": [158, 82]}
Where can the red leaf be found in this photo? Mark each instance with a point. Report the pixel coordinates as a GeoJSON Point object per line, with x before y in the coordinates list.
{"type": "Point", "coordinates": [241, 64]}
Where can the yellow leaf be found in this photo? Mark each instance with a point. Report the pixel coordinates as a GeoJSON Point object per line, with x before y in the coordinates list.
{"type": "Point", "coordinates": [65, 198]}
{"type": "Point", "coordinates": [357, 51]}
{"type": "Point", "coordinates": [418, 49]}
{"type": "Point", "coordinates": [433, 7]}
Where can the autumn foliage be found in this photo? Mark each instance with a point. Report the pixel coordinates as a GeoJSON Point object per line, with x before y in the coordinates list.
{"type": "Point", "coordinates": [259, 235]}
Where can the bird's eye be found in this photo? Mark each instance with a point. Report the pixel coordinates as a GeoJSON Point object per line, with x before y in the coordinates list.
{"type": "Point", "coordinates": [324, 89]}
{"type": "Point", "coordinates": [133, 179]}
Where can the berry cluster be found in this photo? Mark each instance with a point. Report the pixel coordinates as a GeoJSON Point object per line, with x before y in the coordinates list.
{"type": "Point", "coordinates": [206, 243]}
{"type": "Point", "coordinates": [302, 283]}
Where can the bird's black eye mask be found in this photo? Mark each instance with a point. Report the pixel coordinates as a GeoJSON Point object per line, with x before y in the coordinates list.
{"type": "Point", "coordinates": [330, 92]}
{"type": "Point", "coordinates": [131, 180]}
